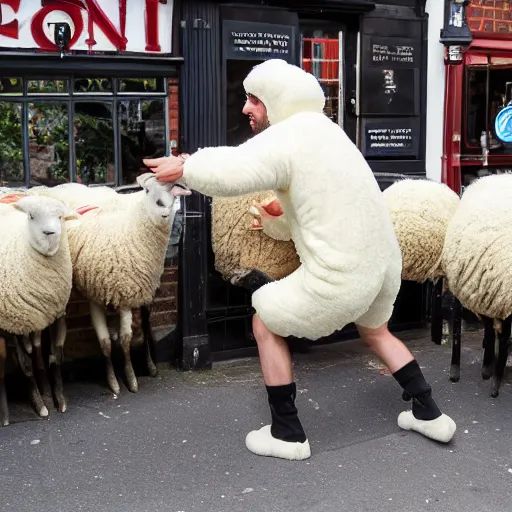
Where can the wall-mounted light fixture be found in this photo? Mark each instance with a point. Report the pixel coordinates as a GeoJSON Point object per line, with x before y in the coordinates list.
{"type": "Point", "coordinates": [456, 34]}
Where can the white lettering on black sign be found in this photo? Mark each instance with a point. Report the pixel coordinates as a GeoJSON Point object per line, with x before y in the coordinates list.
{"type": "Point", "coordinates": [260, 42]}
{"type": "Point", "coordinates": [389, 138]}
{"type": "Point", "coordinates": [403, 54]}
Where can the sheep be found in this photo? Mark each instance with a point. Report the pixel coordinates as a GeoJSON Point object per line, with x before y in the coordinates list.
{"type": "Point", "coordinates": [474, 261]}
{"type": "Point", "coordinates": [35, 292]}
{"type": "Point", "coordinates": [118, 252]}
{"type": "Point", "coordinates": [238, 248]}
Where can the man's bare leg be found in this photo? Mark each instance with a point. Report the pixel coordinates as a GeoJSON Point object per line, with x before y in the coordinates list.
{"type": "Point", "coordinates": [285, 437]}
{"type": "Point", "coordinates": [425, 416]}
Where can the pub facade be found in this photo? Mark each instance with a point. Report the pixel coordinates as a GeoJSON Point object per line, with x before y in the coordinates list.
{"type": "Point", "coordinates": [90, 87]}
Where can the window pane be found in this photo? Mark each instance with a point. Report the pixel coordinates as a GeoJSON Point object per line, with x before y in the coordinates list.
{"type": "Point", "coordinates": [47, 86]}
{"type": "Point", "coordinates": [10, 86]}
{"type": "Point", "coordinates": [142, 128]}
{"type": "Point", "coordinates": [131, 85]}
{"type": "Point", "coordinates": [49, 147]}
{"type": "Point", "coordinates": [94, 142]}
{"type": "Point", "coordinates": [93, 85]}
{"type": "Point", "coordinates": [11, 147]}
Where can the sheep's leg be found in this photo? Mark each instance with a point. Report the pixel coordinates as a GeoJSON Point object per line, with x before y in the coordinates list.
{"type": "Point", "coordinates": [488, 346]}
{"type": "Point", "coordinates": [99, 322]}
{"type": "Point", "coordinates": [58, 337]}
{"type": "Point", "coordinates": [149, 340]}
{"type": "Point", "coordinates": [25, 361]}
{"type": "Point", "coordinates": [125, 335]}
{"type": "Point", "coordinates": [4, 409]}
{"type": "Point", "coordinates": [456, 323]}
{"type": "Point", "coordinates": [436, 320]}
{"type": "Point", "coordinates": [501, 360]}
{"type": "Point", "coordinates": [39, 366]}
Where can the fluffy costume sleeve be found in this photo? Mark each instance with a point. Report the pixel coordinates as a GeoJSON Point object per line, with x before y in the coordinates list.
{"type": "Point", "coordinates": [256, 165]}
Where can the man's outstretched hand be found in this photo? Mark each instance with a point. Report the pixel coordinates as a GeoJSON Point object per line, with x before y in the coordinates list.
{"type": "Point", "coordinates": [167, 168]}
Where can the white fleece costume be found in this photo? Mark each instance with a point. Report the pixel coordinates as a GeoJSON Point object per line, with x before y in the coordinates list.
{"type": "Point", "coordinates": [350, 259]}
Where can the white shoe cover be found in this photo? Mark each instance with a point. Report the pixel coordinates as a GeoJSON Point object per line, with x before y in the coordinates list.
{"type": "Point", "coordinates": [261, 442]}
{"type": "Point", "coordinates": [441, 429]}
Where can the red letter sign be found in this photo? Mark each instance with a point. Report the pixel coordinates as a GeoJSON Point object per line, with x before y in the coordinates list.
{"type": "Point", "coordinates": [100, 18]}
{"type": "Point", "coordinates": [152, 26]}
{"type": "Point", "coordinates": [10, 29]}
{"type": "Point", "coordinates": [37, 23]}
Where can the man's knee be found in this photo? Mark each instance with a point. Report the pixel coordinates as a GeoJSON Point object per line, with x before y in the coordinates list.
{"type": "Point", "coordinates": [261, 332]}
{"type": "Point", "coordinates": [371, 336]}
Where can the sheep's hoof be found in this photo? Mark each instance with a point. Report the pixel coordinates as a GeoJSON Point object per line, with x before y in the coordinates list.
{"type": "Point", "coordinates": [43, 412]}
{"type": "Point", "coordinates": [133, 385]}
{"type": "Point", "coordinates": [455, 373]}
{"type": "Point", "coordinates": [487, 371]}
{"type": "Point", "coordinates": [153, 370]}
{"type": "Point", "coordinates": [114, 385]}
{"type": "Point", "coordinates": [495, 388]}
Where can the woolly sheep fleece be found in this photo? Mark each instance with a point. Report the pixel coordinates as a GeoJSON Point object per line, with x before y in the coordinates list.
{"type": "Point", "coordinates": [236, 247]}
{"type": "Point", "coordinates": [124, 275]}
{"type": "Point", "coordinates": [420, 211]}
{"type": "Point", "coordinates": [477, 255]}
{"type": "Point", "coordinates": [34, 289]}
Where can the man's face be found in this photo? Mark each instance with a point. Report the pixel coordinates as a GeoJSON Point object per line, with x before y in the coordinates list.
{"type": "Point", "coordinates": [257, 113]}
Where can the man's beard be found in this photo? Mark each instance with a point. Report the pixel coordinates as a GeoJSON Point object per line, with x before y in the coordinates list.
{"type": "Point", "coordinates": [260, 126]}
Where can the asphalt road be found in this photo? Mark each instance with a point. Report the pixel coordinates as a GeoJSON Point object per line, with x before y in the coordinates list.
{"type": "Point", "coordinates": [178, 444]}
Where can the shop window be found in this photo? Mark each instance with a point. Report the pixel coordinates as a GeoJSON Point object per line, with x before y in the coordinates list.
{"type": "Point", "coordinates": [47, 86]}
{"type": "Point", "coordinates": [487, 92]}
{"type": "Point", "coordinates": [143, 134]}
{"type": "Point", "coordinates": [89, 130]}
{"type": "Point", "coordinates": [322, 57]}
{"type": "Point", "coordinates": [11, 153]}
{"type": "Point", "coordinates": [48, 142]}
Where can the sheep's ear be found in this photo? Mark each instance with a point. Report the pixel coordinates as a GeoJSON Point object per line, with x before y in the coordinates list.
{"type": "Point", "coordinates": [143, 179]}
{"type": "Point", "coordinates": [70, 214]}
{"type": "Point", "coordinates": [178, 191]}
{"type": "Point", "coordinates": [24, 204]}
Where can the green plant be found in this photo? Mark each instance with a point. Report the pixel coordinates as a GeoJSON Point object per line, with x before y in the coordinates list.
{"type": "Point", "coordinates": [11, 147]}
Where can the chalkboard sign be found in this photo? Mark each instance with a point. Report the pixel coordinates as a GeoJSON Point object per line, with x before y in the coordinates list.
{"type": "Point", "coordinates": [393, 52]}
{"type": "Point", "coordinates": [391, 137]}
{"type": "Point", "coordinates": [390, 82]}
{"type": "Point", "coordinates": [246, 40]}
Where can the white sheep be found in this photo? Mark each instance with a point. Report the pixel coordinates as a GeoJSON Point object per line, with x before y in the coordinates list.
{"type": "Point", "coordinates": [35, 284]}
{"type": "Point", "coordinates": [475, 261]}
{"type": "Point", "coordinates": [118, 253]}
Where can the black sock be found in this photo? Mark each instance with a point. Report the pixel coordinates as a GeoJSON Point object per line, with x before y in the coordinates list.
{"type": "Point", "coordinates": [411, 378]}
{"type": "Point", "coordinates": [285, 422]}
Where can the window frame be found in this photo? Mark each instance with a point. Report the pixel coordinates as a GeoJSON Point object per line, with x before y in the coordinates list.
{"type": "Point", "coordinates": [70, 98]}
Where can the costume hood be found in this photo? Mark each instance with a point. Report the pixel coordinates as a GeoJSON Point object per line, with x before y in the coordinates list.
{"type": "Point", "coordinates": [284, 89]}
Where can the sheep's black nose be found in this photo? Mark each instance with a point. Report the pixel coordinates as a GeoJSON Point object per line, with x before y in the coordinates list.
{"type": "Point", "coordinates": [48, 233]}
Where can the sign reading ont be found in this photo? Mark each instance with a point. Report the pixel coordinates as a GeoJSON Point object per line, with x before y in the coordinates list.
{"type": "Point", "coordinates": [96, 25]}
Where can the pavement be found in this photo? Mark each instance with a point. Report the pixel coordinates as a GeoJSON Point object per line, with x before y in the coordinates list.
{"type": "Point", "coordinates": [178, 444]}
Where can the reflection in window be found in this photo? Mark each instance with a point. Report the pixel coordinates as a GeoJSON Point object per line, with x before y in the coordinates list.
{"type": "Point", "coordinates": [12, 86]}
{"type": "Point", "coordinates": [92, 85]}
{"type": "Point", "coordinates": [321, 56]}
{"type": "Point", "coordinates": [93, 132]}
{"type": "Point", "coordinates": [130, 85]}
{"type": "Point", "coordinates": [142, 128]}
{"type": "Point", "coordinates": [48, 143]}
{"type": "Point", "coordinates": [12, 173]}
{"type": "Point", "coordinates": [47, 86]}
{"type": "Point", "coordinates": [482, 105]}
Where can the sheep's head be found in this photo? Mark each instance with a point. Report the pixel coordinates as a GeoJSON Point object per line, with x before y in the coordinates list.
{"type": "Point", "coordinates": [159, 201]}
{"type": "Point", "coordinates": [45, 218]}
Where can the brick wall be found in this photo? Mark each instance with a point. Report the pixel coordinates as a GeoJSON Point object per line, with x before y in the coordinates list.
{"type": "Point", "coordinates": [490, 16]}
{"type": "Point", "coordinates": [81, 341]}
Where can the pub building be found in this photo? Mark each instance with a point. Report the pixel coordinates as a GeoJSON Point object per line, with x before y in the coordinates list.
{"type": "Point", "coordinates": [88, 88]}
{"type": "Point", "coordinates": [478, 69]}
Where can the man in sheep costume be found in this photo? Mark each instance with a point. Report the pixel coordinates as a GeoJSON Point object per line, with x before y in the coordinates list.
{"type": "Point", "coordinates": [350, 259]}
